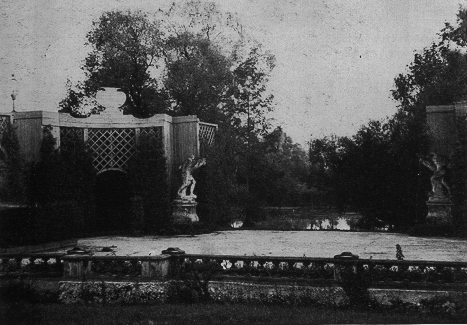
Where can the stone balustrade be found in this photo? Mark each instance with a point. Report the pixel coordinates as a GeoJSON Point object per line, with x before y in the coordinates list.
{"type": "Point", "coordinates": [327, 268]}
{"type": "Point", "coordinates": [37, 264]}
{"type": "Point", "coordinates": [172, 263]}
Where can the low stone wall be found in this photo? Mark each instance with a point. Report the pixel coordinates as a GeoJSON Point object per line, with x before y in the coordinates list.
{"type": "Point", "coordinates": [112, 292]}
{"type": "Point", "coordinates": [240, 292]}
{"type": "Point", "coordinates": [272, 292]}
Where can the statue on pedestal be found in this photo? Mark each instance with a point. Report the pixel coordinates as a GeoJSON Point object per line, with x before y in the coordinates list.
{"type": "Point", "coordinates": [184, 206]}
{"type": "Point", "coordinates": [188, 182]}
{"type": "Point", "coordinates": [439, 203]}
{"type": "Point", "coordinates": [440, 190]}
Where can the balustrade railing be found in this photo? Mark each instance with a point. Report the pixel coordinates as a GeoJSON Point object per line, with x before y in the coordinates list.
{"type": "Point", "coordinates": [34, 264]}
{"type": "Point", "coordinates": [261, 266]}
{"type": "Point", "coordinates": [325, 268]}
{"type": "Point", "coordinates": [168, 266]}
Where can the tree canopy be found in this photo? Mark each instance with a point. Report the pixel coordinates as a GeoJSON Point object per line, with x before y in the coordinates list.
{"type": "Point", "coordinates": [376, 172]}
{"type": "Point", "coordinates": [191, 59]}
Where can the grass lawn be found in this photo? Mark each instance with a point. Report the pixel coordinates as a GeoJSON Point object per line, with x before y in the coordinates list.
{"type": "Point", "coordinates": [205, 313]}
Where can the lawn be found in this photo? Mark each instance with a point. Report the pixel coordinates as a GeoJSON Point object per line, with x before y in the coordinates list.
{"type": "Point", "coordinates": [207, 313]}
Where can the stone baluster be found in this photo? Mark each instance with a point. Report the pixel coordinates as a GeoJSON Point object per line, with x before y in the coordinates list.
{"type": "Point", "coordinates": [234, 263]}
{"type": "Point", "coordinates": [18, 261]}
{"type": "Point", "coordinates": [4, 266]}
{"type": "Point", "coordinates": [261, 264]}
{"type": "Point", "coordinates": [219, 262]}
{"type": "Point", "coordinates": [276, 264]}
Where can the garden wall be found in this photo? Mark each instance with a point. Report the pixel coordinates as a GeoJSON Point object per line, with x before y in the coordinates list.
{"type": "Point", "coordinates": [109, 291]}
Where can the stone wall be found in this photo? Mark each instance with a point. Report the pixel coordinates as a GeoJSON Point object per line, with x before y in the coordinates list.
{"type": "Point", "coordinates": [441, 122]}
{"type": "Point", "coordinates": [71, 292]}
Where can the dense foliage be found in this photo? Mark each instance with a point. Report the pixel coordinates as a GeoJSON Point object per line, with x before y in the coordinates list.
{"type": "Point", "coordinates": [376, 171]}
{"type": "Point", "coordinates": [148, 179]}
{"type": "Point", "coordinates": [60, 187]}
{"type": "Point", "coordinates": [14, 179]}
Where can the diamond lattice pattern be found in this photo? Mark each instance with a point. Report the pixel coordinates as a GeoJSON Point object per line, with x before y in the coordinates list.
{"type": "Point", "coordinates": [70, 135]}
{"type": "Point", "coordinates": [111, 148]}
{"type": "Point", "coordinates": [4, 122]}
{"type": "Point", "coordinates": [154, 133]}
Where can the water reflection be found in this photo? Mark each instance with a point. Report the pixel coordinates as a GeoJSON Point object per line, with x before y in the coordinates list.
{"type": "Point", "coordinates": [342, 223]}
{"type": "Point", "coordinates": [328, 224]}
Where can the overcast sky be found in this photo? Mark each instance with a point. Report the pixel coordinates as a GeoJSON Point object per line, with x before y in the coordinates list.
{"type": "Point", "coordinates": [336, 60]}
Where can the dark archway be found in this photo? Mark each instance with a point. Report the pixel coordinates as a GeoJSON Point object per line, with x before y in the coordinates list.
{"type": "Point", "coordinates": [112, 193]}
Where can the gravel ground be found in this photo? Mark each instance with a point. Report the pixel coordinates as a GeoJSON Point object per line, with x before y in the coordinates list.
{"type": "Point", "coordinates": [289, 243]}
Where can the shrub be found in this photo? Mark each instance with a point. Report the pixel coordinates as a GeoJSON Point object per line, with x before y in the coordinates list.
{"type": "Point", "coordinates": [194, 284]}
{"type": "Point", "coordinates": [148, 177]}
{"type": "Point", "coordinates": [60, 190]}
{"type": "Point", "coordinates": [15, 181]}
{"type": "Point", "coordinates": [440, 305]}
{"type": "Point", "coordinates": [356, 285]}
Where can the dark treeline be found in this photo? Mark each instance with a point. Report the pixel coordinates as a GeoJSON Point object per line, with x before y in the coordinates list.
{"type": "Point", "coordinates": [377, 172]}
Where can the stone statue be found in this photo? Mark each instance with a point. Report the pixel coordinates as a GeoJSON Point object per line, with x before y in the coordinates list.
{"type": "Point", "coordinates": [438, 165]}
{"type": "Point", "coordinates": [187, 179]}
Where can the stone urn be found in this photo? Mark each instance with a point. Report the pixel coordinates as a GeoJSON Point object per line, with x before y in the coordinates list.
{"type": "Point", "coordinates": [111, 98]}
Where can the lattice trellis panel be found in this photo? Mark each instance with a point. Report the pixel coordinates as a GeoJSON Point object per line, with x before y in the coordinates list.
{"type": "Point", "coordinates": [206, 136]}
{"type": "Point", "coordinates": [4, 123]}
{"type": "Point", "coordinates": [154, 133]}
{"type": "Point", "coordinates": [70, 135]}
{"type": "Point", "coordinates": [111, 148]}
{"type": "Point", "coordinates": [207, 133]}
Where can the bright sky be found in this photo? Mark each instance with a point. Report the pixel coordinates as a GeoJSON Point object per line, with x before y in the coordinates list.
{"type": "Point", "coordinates": [336, 59]}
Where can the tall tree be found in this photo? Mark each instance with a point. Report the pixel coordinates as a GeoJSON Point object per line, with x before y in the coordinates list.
{"type": "Point", "coordinates": [126, 46]}
{"type": "Point", "coordinates": [197, 76]}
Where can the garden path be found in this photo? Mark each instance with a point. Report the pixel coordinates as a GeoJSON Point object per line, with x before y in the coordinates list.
{"type": "Point", "coordinates": [377, 245]}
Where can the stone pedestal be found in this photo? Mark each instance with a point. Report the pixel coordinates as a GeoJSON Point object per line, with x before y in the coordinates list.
{"type": "Point", "coordinates": [439, 212]}
{"type": "Point", "coordinates": [184, 211]}
{"type": "Point", "coordinates": [349, 266]}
